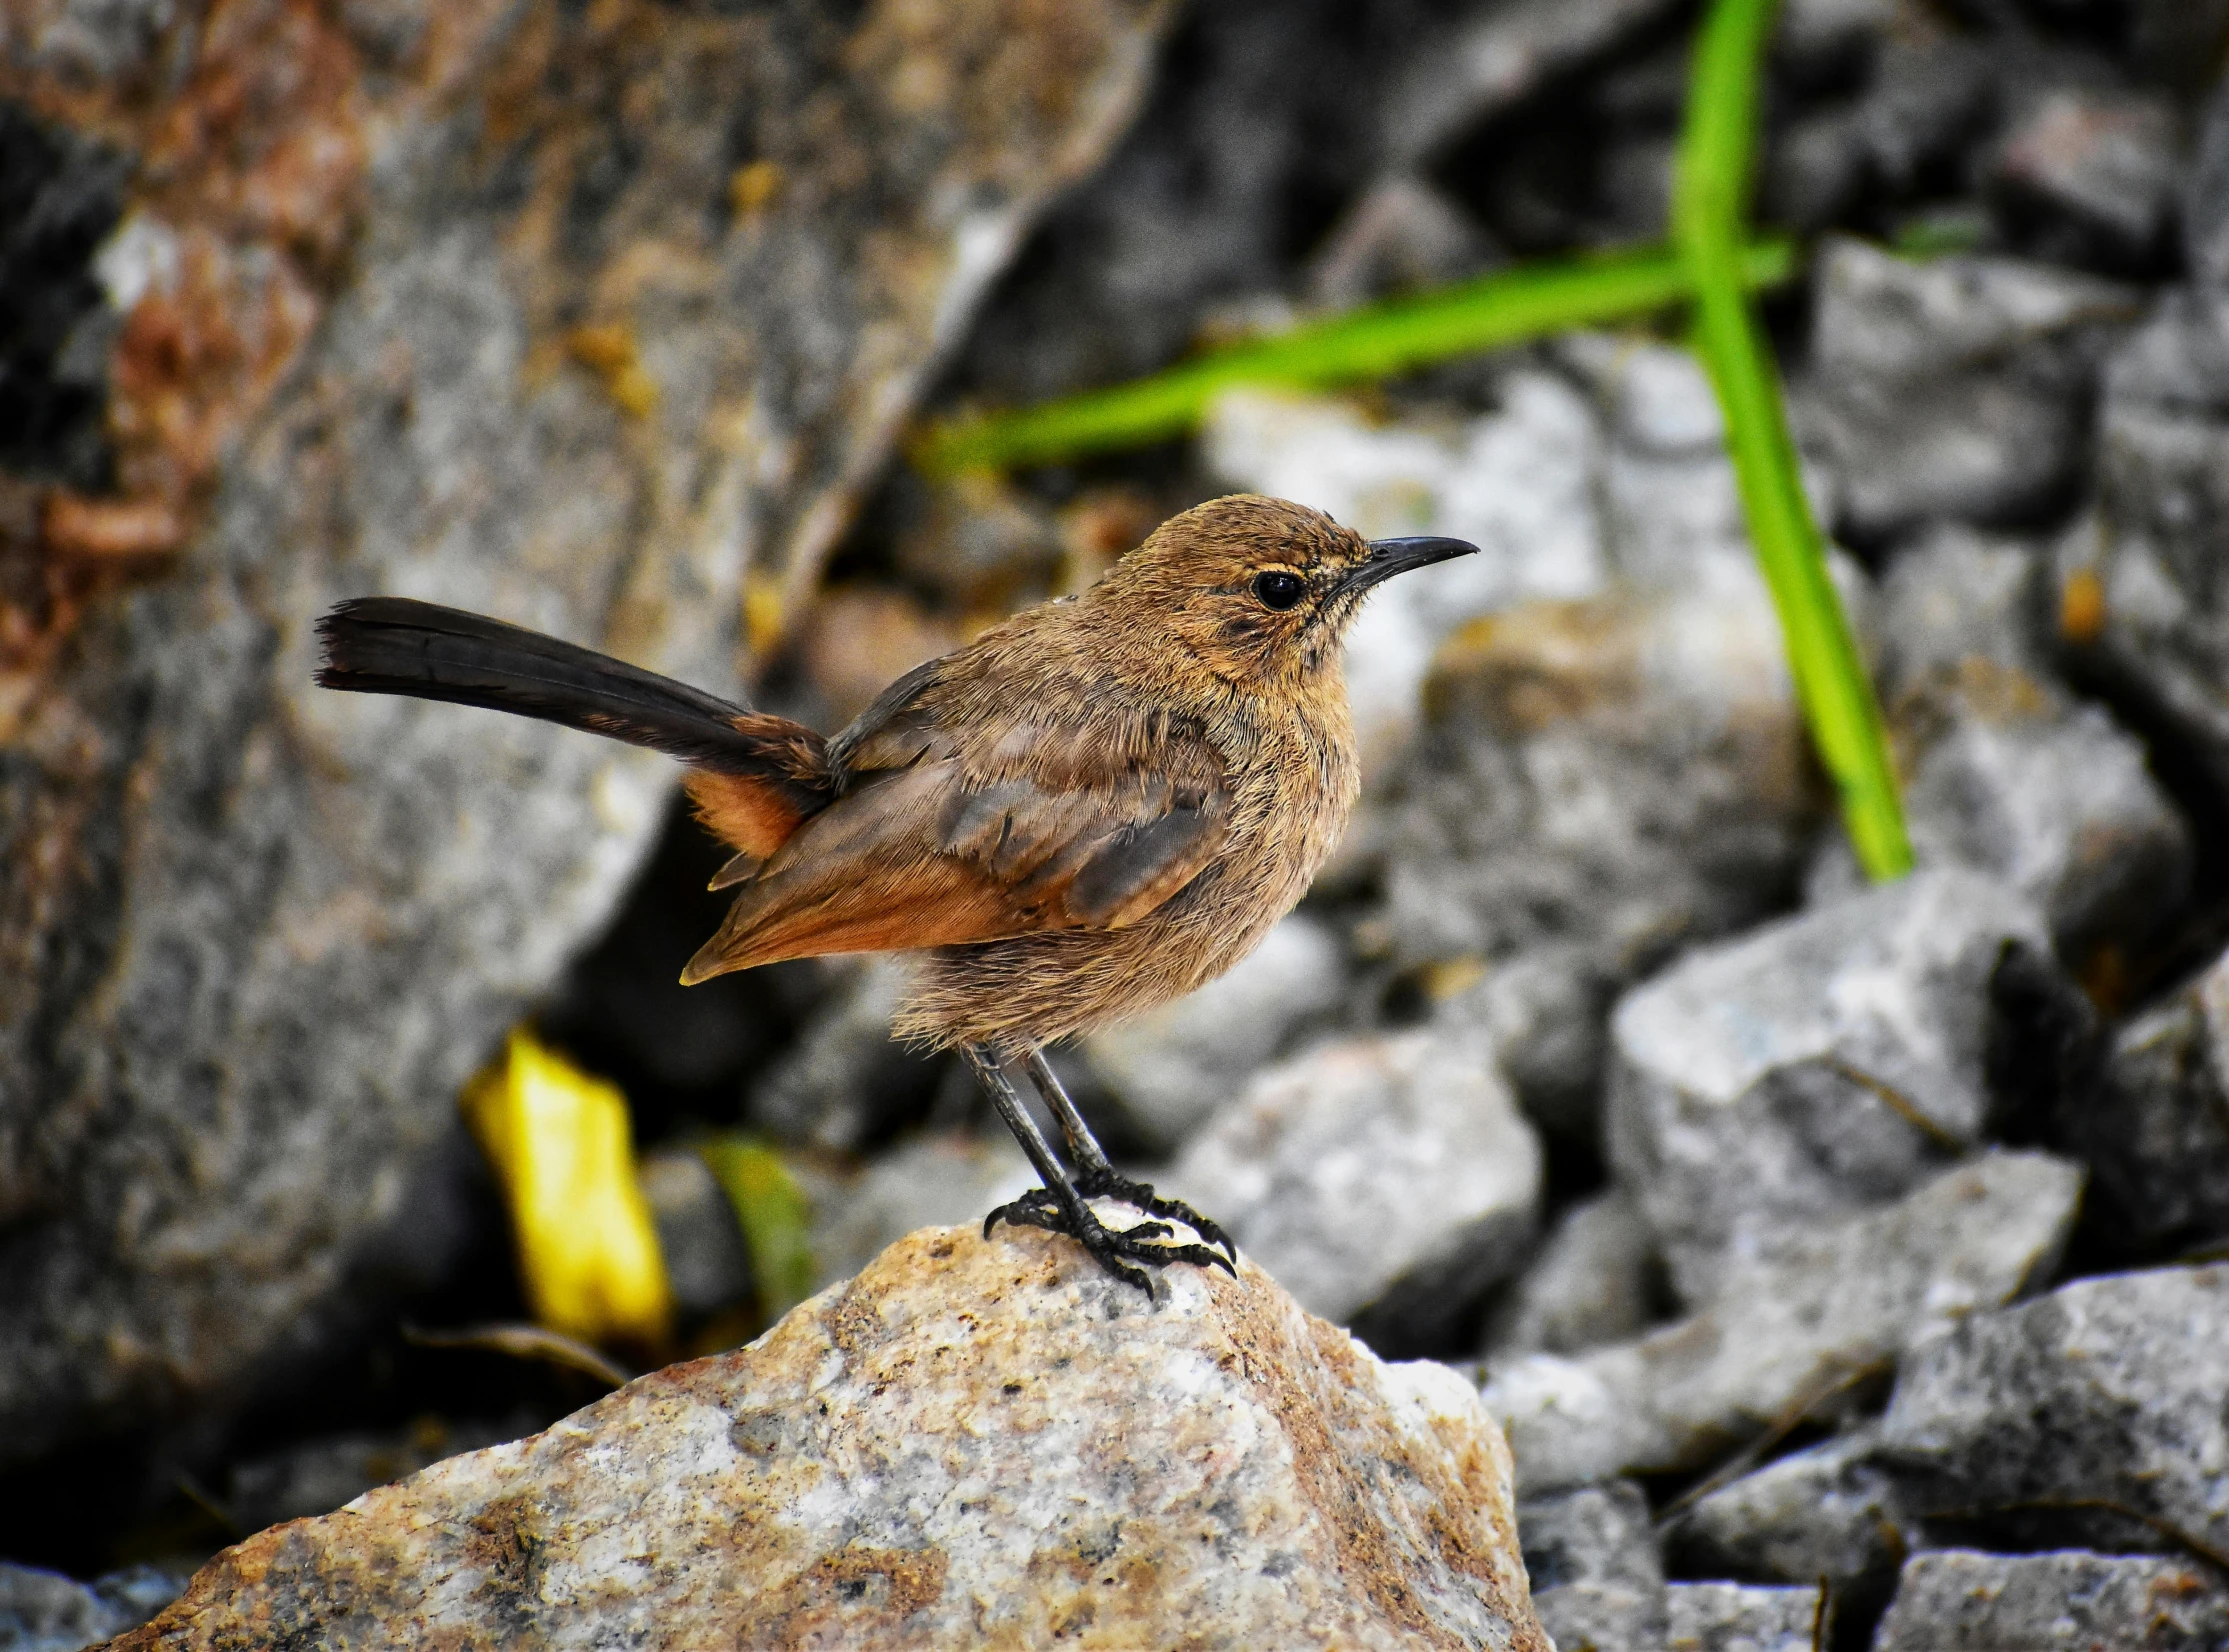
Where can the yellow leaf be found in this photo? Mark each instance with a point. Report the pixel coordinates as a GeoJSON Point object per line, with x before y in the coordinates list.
{"type": "Point", "coordinates": [560, 1145]}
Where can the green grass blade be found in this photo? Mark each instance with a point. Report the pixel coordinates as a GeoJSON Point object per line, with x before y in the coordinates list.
{"type": "Point", "coordinates": [1506, 307]}
{"type": "Point", "coordinates": [1709, 205]}
{"type": "Point", "coordinates": [774, 1214]}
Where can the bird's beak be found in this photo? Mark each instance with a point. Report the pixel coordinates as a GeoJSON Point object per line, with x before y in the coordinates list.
{"type": "Point", "coordinates": [1397, 556]}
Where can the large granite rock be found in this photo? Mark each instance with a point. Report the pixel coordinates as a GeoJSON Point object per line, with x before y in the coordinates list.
{"type": "Point", "coordinates": [1961, 1600]}
{"type": "Point", "coordinates": [2090, 1416]}
{"type": "Point", "coordinates": [1812, 1068]}
{"type": "Point", "coordinates": [974, 1442]}
{"type": "Point", "coordinates": [1802, 1337]}
{"type": "Point", "coordinates": [1388, 1182]}
{"type": "Point", "coordinates": [581, 317]}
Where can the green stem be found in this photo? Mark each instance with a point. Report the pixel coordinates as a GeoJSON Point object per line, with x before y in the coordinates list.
{"type": "Point", "coordinates": [1709, 204]}
{"type": "Point", "coordinates": [1503, 308]}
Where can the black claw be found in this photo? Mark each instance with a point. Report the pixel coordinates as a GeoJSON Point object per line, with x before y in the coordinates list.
{"type": "Point", "coordinates": [1108, 1185]}
{"type": "Point", "coordinates": [1114, 1249]}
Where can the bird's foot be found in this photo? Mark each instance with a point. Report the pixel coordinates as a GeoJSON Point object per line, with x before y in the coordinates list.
{"type": "Point", "coordinates": [1114, 1249]}
{"type": "Point", "coordinates": [1106, 1184]}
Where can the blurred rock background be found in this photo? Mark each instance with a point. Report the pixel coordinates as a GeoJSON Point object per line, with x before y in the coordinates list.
{"type": "Point", "coordinates": [1756, 1199]}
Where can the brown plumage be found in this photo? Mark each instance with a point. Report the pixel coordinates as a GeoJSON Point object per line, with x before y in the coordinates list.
{"type": "Point", "coordinates": [1090, 810]}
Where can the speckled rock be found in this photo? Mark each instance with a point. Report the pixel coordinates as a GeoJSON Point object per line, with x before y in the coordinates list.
{"type": "Point", "coordinates": [973, 1443]}
{"type": "Point", "coordinates": [2005, 771]}
{"type": "Point", "coordinates": [1804, 1335]}
{"type": "Point", "coordinates": [1388, 1182]}
{"type": "Point", "coordinates": [1596, 1280]}
{"type": "Point", "coordinates": [573, 316]}
{"type": "Point", "coordinates": [1960, 1600]}
{"type": "Point", "coordinates": [2091, 1416]}
{"type": "Point", "coordinates": [1828, 1511]}
{"type": "Point", "coordinates": [2155, 1130]}
{"type": "Point", "coordinates": [1596, 1577]}
{"type": "Point", "coordinates": [43, 1611]}
{"type": "Point", "coordinates": [1954, 387]}
{"type": "Point", "coordinates": [1815, 1066]}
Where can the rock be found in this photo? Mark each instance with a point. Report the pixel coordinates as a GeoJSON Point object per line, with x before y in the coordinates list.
{"type": "Point", "coordinates": [1543, 1008]}
{"type": "Point", "coordinates": [1497, 58]}
{"type": "Point", "coordinates": [478, 312]}
{"type": "Point", "coordinates": [43, 1611]}
{"type": "Point", "coordinates": [2089, 177]}
{"type": "Point", "coordinates": [318, 1476]}
{"type": "Point", "coordinates": [931, 1180]}
{"type": "Point", "coordinates": [846, 1082]}
{"type": "Point", "coordinates": [1403, 233]}
{"type": "Point", "coordinates": [1520, 483]}
{"type": "Point", "coordinates": [2156, 1132]}
{"type": "Point", "coordinates": [1263, 125]}
{"type": "Point", "coordinates": [2206, 195]}
{"type": "Point", "coordinates": [1801, 1336]}
{"type": "Point", "coordinates": [2090, 1416]}
{"type": "Point", "coordinates": [1387, 1181]}
{"type": "Point", "coordinates": [1735, 1617]}
{"type": "Point", "coordinates": [1826, 1512]}
{"type": "Point", "coordinates": [1598, 782]}
{"type": "Point", "coordinates": [1959, 387]}
{"type": "Point", "coordinates": [1596, 1280]}
{"type": "Point", "coordinates": [1591, 1534]}
{"type": "Point", "coordinates": [973, 1442]}
{"type": "Point", "coordinates": [1960, 1600]}
{"type": "Point", "coordinates": [2139, 600]}
{"type": "Point", "coordinates": [2007, 773]}
{"type": "Point", "coordinates": [1814, 1067]}
{"type": "Point", "coordinates": [708, 1267]}
{"type": "Point", "coordinates": [1172, 1067]}
{"type": "Point", "coordinates": [1929, 96]}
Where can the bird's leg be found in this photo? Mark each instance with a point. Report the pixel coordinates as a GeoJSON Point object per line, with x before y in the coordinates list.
{"type": "Point", "coordinates": [1098, 1179]}
{"type": "Point", "coordinates": [1058, 1206]}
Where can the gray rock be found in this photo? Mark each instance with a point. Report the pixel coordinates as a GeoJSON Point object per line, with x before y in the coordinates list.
{"type": "Point", "coordinates": [846, 1080]}
{"type": "Point", "coordinates": [1590, 1534]}
{"type": "Point", "coordinates": [2156, 1133]}
{"type": "Point", "coordinates": [1960, 1600]}
{"type": "Point", "coordinates": [1738, 1617]}
{"type": "Point", "coordinates": [1497, 58]}
{"type": "Point", "coordinates": [708, 1267]}
{"type": "Point", "coordinates": [1596, 1280]}
{"type": "Point", "coordinates": [2206, 195]}
{"type": "Point", "coordinates": [257, 934]}
{"type": "Point", "coordinates": [1959, 387]}
{"type": "Point", "coordinates": [1815, 1067]}
{"type": "Point", "coordinates": [974, 1442]}
{"type": "Point", "coordinates": [319, 1476]}
{"type": "Point", "coordinates": [1402, 233]}
{"type": "Point", "coordinates": [1828, 1511]}
{"type": "Point", "coordinates": [43, 1611]}
{"type": "Point", "coordinates": [2006, 773]}
{"type": "Point", "coordinates": [2089, 176]}
{"type": "Point", "coordinates": [926, 1182]}
{"type": "Point", "coordinates": [1544, 1009]}
{"type": "Point", "coordinates": [1390, 1180]}
{"type": "Point", "coordinates": [2090, 1416]}
{"type": "Point", "coordinates": [1803, 1336]}
{"type": "Point", "coordinates": [2141, 600]}
{"type": "Point", "coordinates": [1171, 1068]}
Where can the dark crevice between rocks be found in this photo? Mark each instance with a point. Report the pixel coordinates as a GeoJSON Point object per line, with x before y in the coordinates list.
{"type": "Point", "coordinates": [60, 195]}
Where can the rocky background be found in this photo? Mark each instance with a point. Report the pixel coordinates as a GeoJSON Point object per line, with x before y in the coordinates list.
{"type": "Point", "coordinates": [1844, 1263]}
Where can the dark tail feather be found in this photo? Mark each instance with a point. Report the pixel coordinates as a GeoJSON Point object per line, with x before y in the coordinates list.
{"type": "Point", "coordinates": [392, 645]}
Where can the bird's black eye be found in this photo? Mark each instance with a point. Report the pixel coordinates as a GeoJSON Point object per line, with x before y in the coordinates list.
{"type": "Point", "coordinates": [1279, 591]}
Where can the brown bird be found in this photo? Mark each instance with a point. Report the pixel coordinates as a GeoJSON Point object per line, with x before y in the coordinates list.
{"type": "Point", "coordinates": [1088, 811]}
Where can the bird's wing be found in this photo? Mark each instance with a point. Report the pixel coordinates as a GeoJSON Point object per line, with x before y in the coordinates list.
{"type": "Point", "coordinates": [931, 846]}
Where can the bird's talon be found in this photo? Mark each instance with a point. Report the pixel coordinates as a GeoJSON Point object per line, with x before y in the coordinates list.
{"type": "Point", "coordinates": [1114, 1249]}
{"type": "Point", "coordinates": [1140, 1196]}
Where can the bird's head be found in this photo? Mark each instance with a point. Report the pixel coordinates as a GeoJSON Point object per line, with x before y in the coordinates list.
{"type": "Point", "coordinates": [1260, 590]}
